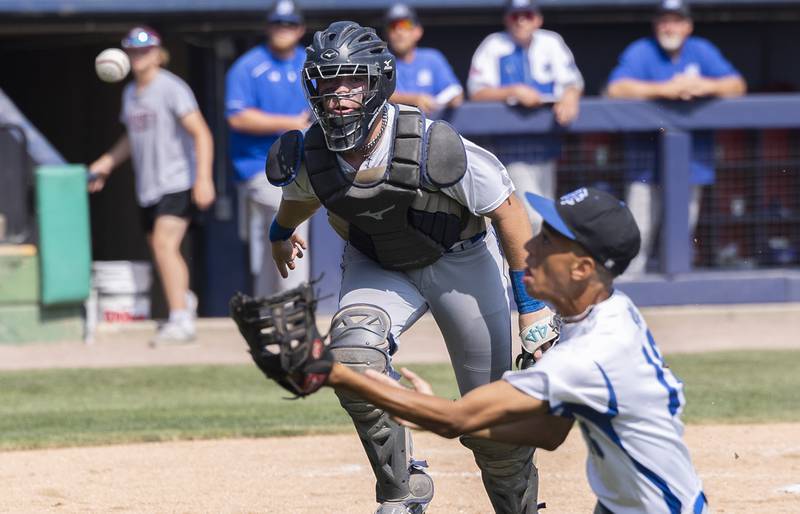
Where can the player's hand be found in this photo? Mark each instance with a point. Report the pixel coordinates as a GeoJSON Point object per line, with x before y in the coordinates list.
{"type": "Point", "coordinates": [566, 109]}
{"type": "Point", "coordinates": [203, 194]}
{"type": "Point", "coordinates": [418, 384]}
{"type": "Point", "coordinates": [426, 103]}
{"type": "Point", "coordinates": [539, 331]}
{"type": "Point", "coordinates": [525, 96]}
{"type": "Point", "coordinates": [699, 87]}
{"type": "Point", "coordinates": [99, 171]}
{"type": "Point", "coordinates": [284, 253]}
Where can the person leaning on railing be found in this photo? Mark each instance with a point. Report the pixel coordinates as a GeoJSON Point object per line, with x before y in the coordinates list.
{"type": "Point", "coordinates": [671, 65]}
{"type": "Point", "coordinates": [527, 66]}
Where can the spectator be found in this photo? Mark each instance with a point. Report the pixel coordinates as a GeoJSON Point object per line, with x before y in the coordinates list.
{"type": "Point", "coordinates": [527, 66]}
{"type": "Point", "coordinates": [263, 99]}
{"type": "Point", "coordinates": [672, 65]}
{"type": "Point", "coordinates": [172, 152]}
{"type": "Point", "coordinates": [424, 77]}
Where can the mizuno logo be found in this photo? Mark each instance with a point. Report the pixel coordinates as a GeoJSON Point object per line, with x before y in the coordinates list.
{"type": "Point", "coordinates": [387, 65]}
{"type": "Point", "coordinates": [376, 215]}
{"type": "Point", "coordinates": [329, 54]}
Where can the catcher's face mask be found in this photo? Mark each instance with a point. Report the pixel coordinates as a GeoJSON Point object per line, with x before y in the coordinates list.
{"type": "Point", "coordinates": [341, 97]}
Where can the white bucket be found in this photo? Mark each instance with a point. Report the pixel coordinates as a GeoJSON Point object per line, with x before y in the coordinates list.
{"type": "Point", "coordinates": [123, 308]}
{"type": "Point", "coordinates": [123, 290]}
{"type": "Point", "coordinates": [121, 277]}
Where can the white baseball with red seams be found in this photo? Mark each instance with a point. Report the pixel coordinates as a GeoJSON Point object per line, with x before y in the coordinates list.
{"type": "Point", "coordinates": [112, 65]}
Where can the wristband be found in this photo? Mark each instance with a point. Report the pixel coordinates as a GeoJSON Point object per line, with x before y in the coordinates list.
{"type": "Point", "coordinates": [525, 302]}
{"type": "Point", "coordinates": [278, 232]}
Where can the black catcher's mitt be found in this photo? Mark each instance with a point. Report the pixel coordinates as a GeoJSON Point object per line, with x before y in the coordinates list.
{"type": "Point", "coordinates": [283, 338]}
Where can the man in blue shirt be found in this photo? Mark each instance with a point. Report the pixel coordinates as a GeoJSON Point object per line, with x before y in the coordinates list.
{"type": "Point", "coordinates": [263, 99]}
{"type": "Point", "coordinates": [424, 77]}
{"type": "Point", "coordinates": [672, 65]}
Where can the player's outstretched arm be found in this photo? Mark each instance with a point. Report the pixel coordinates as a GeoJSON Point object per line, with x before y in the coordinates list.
{"type": "Point", "coordinates": [493, 404]}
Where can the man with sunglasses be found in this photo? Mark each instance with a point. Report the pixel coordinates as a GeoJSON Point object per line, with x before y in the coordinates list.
{"type": "Point", "coordinates": [410, 197]}
{"type": "Point", "coordinates": [527, 66]}
{"type": "Point", "coordinates": [424, 77]}
{"type": "Point", "coordinates": [264, 99]}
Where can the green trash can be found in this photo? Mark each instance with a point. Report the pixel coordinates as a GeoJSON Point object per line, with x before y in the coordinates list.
{"type": "Point", "coordinates": [65, 256]}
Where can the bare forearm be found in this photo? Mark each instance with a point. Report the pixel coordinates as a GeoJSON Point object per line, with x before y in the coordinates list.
{"type": "Point", "coordinates": [292, 213]}
{"type": "Point", "coordinates": [492, 94]}
{"type": "Point", "coordinates": [121, 150]}
{"type": "Point", "coordinates": [729, 86]}
{"type": "Point", "coordinates": [256, 122]}
{"type": "Point", "coordinates": [635, 89]}
{"type": "Point", "coordinates": [541, 431]}
{"type": "Point", "coordinates": [204, 153]}
{"type": "Point", "coordinates": [514, 230]}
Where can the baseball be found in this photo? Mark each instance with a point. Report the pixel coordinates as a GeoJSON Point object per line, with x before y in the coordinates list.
{"type": "Point", "coordinates": [112, 65]}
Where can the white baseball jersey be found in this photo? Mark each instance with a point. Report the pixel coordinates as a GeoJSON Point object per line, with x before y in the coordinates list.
{"type": "Point", "coordinates": [547, 64]}
{"type": "Point", "coordinates": [608, 374]}
{"type": "Point", "coordinates": [482, 189]}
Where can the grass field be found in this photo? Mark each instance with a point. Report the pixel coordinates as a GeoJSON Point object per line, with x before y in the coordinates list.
{"type": "Point", "coordinates": [105, 406]}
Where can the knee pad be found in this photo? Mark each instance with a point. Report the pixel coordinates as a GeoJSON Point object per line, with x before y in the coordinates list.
{"type": "Point", "coordinates": [360, 339]}
{"type": "Point", "coordinates": [509, 475]}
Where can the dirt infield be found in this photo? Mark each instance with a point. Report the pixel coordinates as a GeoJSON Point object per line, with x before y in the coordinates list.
{"type": "Point", "coordinates": [744, 469]}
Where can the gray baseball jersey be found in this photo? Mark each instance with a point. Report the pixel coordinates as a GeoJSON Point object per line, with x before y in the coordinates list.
{"type": "Point", "coordinates": [465, 289]}
{"type": "Point", "coordinates": [161, 149]}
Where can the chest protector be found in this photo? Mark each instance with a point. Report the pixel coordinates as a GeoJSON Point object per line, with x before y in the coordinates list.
{"type": "Point", "coordinates": [397, 214]}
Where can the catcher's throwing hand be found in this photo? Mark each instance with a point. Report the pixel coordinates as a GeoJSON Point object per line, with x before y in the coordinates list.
{"type": "Point", "coordinates": [284, 253]}
{"type": "Point", "coordinates": [284, 342]}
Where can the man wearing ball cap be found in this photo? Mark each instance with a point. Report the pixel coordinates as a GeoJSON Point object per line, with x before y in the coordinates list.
{"type": "Point", "coordinates": [263, 99]}
{"type": "Point", "coordinates": [606, 373]}
{"type": "Point", "coordinates": [172, 152]}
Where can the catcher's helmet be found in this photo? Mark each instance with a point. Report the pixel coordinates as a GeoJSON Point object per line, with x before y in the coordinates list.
{"type": "Point", "coordinates": [347, 48]}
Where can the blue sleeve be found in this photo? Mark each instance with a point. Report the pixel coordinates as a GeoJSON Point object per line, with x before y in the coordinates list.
{"type": "Point", "coordinates": [714, 64]}
{"type": "Point", "coordinates": [239, 92]}
{"type": "Point", "coordinates": [444, 76]}
{"type": "Point", "coordinates": [632, 63]}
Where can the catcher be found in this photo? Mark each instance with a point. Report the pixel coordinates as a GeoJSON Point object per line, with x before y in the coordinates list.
{"type": "Point", "coordinates": [411, 197]}
{"type": "Point", "coordinates": [606, 373]}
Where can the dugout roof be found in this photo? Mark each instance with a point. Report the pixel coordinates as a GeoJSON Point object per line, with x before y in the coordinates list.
{"type": "Point", "coordinates": [78, 7]}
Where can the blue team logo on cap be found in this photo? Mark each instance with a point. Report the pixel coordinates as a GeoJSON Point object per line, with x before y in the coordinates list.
{"type": "Point", "coordinates": [574, 197]}
{"type": "Point", "coordinates": [672, 4]}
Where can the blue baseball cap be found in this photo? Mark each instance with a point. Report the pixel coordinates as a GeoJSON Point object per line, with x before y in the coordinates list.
{"type": "Point", "coordinates": [141, 37]}
{"type": "Point", "coordinates": [513, 6]}
{"type": "Point", "coordinates": [599, 222]}
{"type": "Point", "coordinates": [285, 11]}
{"type": "Point", "coordinates": [399, 12]}
{"type": "Point", "coordinates": [679, 7]}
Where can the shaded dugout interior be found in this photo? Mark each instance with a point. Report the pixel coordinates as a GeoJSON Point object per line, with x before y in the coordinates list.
{"type": "Point", "coordinates": [48, 72]}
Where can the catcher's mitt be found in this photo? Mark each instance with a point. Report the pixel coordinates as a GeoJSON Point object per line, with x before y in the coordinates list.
{"type": "Point", "coordinates": [283, 338]}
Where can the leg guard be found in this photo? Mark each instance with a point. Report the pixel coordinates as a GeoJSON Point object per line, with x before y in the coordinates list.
{"type": "Point", "coordinates": [509, 475]}
{"type": "Point", "coordinates": [360, 341]}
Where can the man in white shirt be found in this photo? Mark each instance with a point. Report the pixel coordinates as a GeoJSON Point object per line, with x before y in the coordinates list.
{"type": "Point", "coordinates": [606, 373]}
{"type": "Point", "coordinates": [529, 67]}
